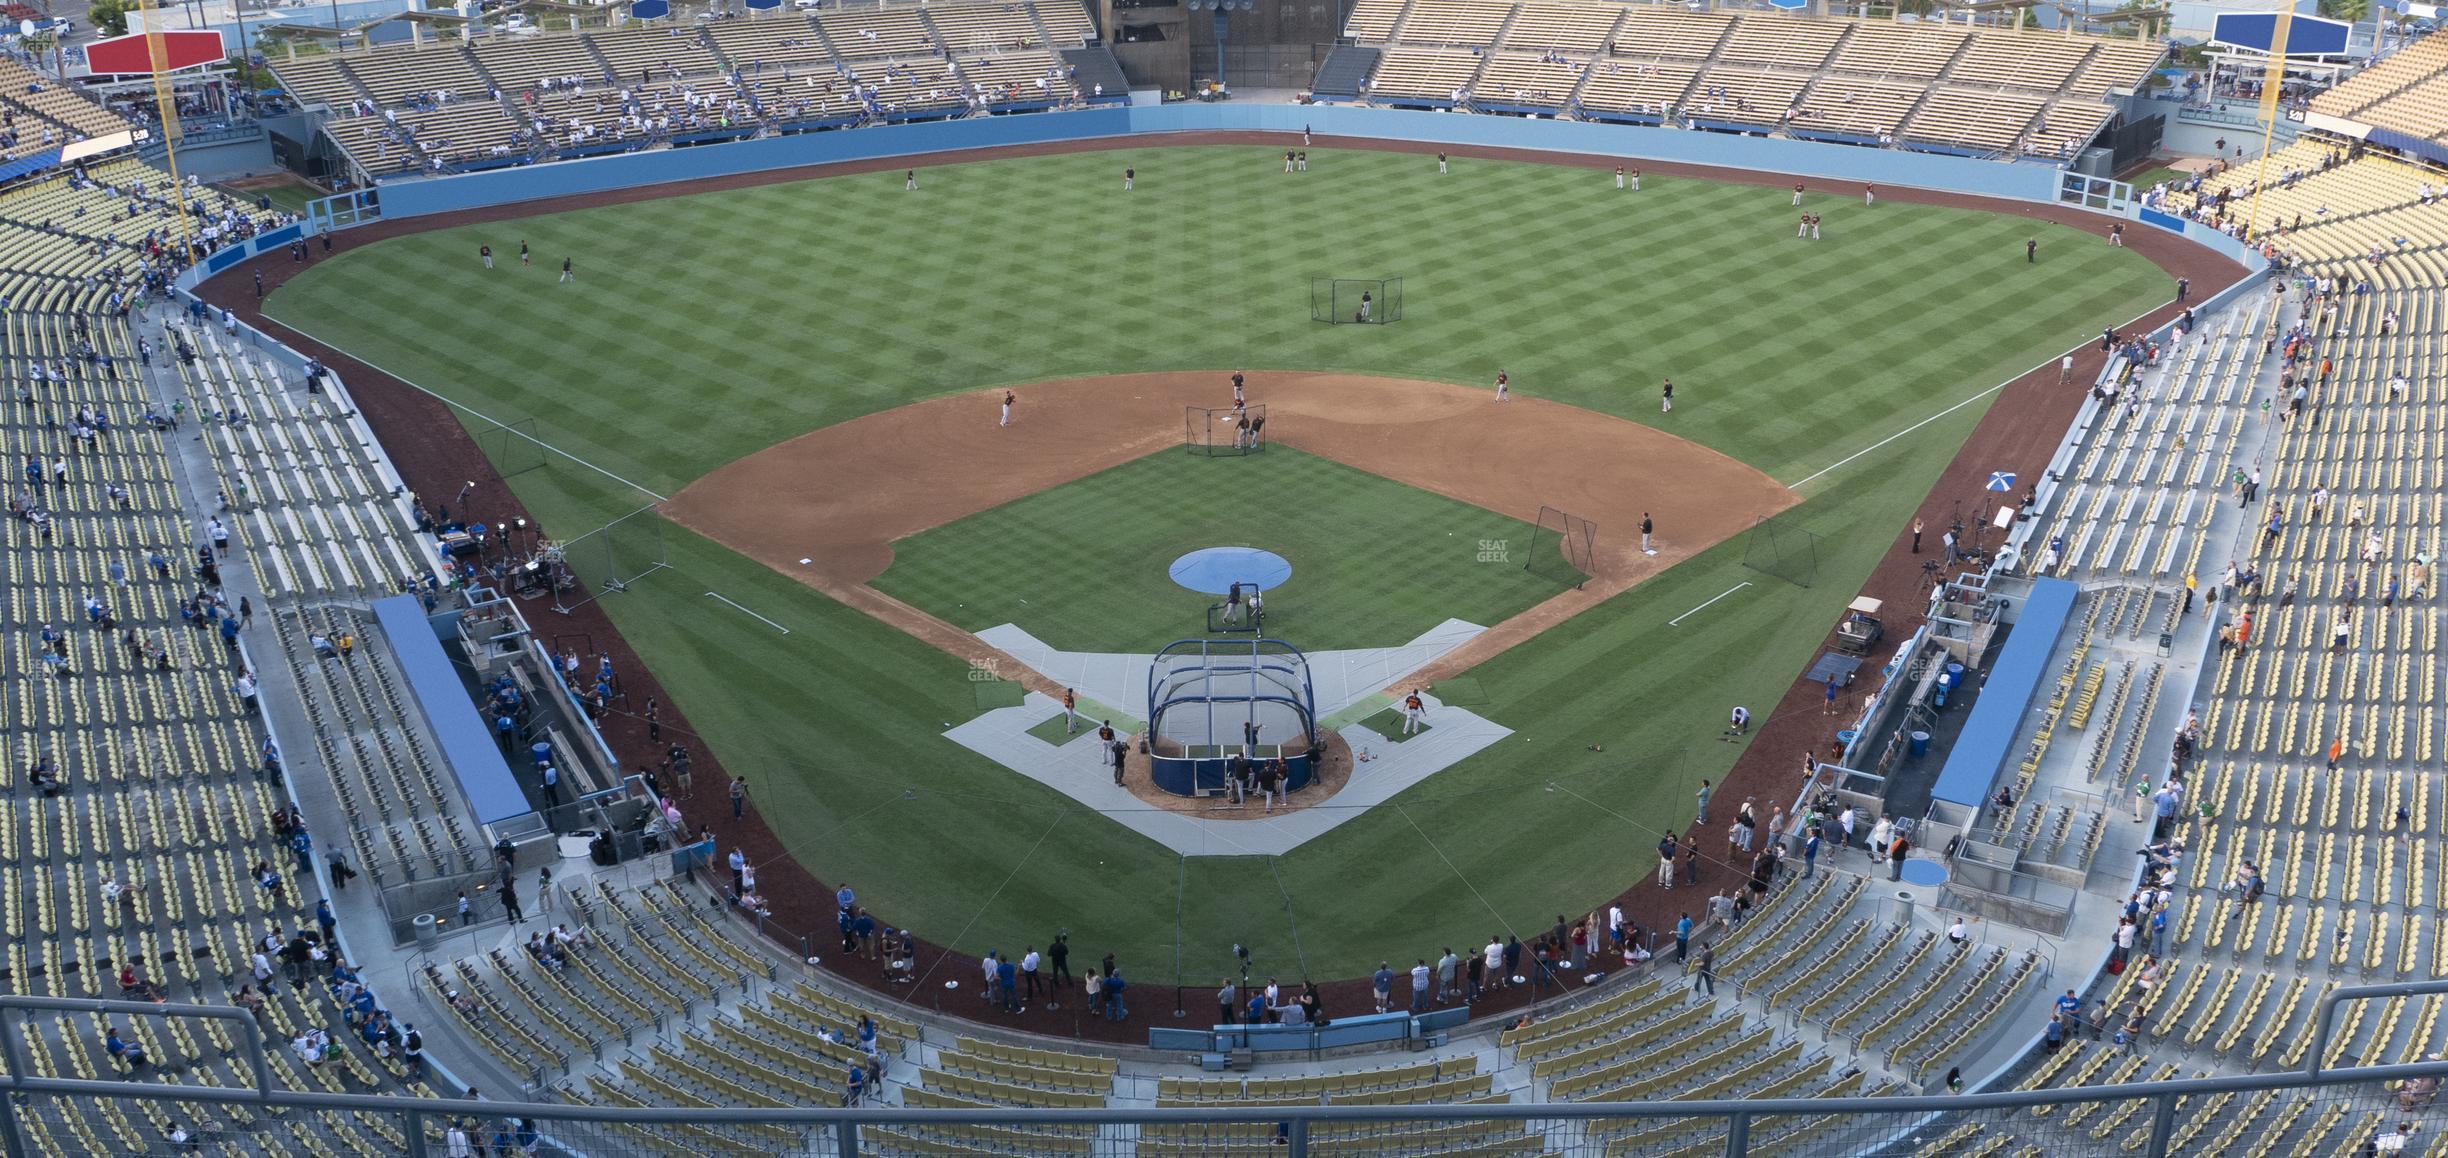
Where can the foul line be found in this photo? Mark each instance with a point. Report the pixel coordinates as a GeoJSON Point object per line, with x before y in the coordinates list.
{"type": "Point", "coordinates": [1457, 870]}
{"type": "Point", "coordinates": [2058, 360]}
{"type": "Point", "coordinates": [750, 614]}
{"type": "Point", "coordinates": [1848, 459]}
{"type": "Point", "coordinates": [919, 986]}
{"type": "Point", "coordinates": [403, 380]}
{"type": "Point", "coordinates": [1677, 621]}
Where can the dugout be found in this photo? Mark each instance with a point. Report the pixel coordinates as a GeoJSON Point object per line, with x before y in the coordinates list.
{"type": "Point", "coordinates": [1204, 698]}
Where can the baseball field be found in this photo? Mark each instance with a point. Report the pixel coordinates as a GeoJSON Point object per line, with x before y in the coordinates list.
{"type": "Point", "coordinates": [803, 378]}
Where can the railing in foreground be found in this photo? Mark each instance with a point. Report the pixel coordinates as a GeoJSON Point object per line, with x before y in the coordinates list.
{"type": "Point", "coordinates": [2154, 1118]}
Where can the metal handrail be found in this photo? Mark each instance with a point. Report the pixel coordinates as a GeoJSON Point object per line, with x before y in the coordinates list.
{"type": "Point", "coordinates": [1296, 1121]}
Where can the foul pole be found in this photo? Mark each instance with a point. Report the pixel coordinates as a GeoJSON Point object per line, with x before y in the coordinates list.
{"type": "Point", "coordinates": [2272, 79]}
{"type": "Point", "coordinates": [165, 104]}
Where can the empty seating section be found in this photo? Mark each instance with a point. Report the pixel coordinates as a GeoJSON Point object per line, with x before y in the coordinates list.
{"type": "Point", "coordinates": [2066, 127]}
{"type": "Point", "coordinates": [2013, 60]}
{"type": "Point", "coordinates": [1454, 22]}
{"type": "Point", "coordinates": [2421, 110]}
{"type": "Point", "coordinates": [1743, 96]}
{"type": "Point", "coordinates": [1983, 121]}
{"type": "Point", "coordinates": [2387, 230]}
{"type": "Point", "coordinates": [1521, 79]}
{"type": "Point", "coordinates": [1802, 45]}
{"type": "Point", "coordinates": [1573, 28]}
{"type": "Point", "coordinates": [74, 116]}
{"type": "Point", "coordinates": [443, 106]}
{"type": "Point", "coordinates": [2404, 92]}
{"type": "Point", "coordinates": [890, 33]}
{"type": "Point", "coordinates": [1372, 21]}
{"type": "Point", "coordinates": [2137, 500]}
{"type": "Point", "coordinates": [641, 56]}
{"type": "Point", "coordinates": [775, 44]}
{"type": "Point", "coordinates": [1432, 75]}
{"type": "Point", "coordinates": [1888, 49]}
{"type": "Point", "coordinates": [1920, 85]}
{"type": "Point", "coordinates": [302, 474]}
{"type": "Point", "coordinates": [1066, 25]}
{"type": "Point", "coordinates": [989, 28]}
{"type": "Point", "coordinates": [313, 79]}
{"type": "Point", "coordinates": [1856, 108]}
{"type": "Point", "coordinates": [428, 73]}
{"type": "Point", "coordinates": [2116, 64]}
{"type": "Point", "coordinates": [518, 65]}
{"type": "Point", "coordinates": [1635, 89]}
{"type": "Point", "coordinates": [1652, 33]}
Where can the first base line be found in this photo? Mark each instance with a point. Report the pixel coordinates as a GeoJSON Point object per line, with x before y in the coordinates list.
{"type": "Point", "coordinates": [750, 614]}
{"type": "Point", "coordinates": [1677, 621]}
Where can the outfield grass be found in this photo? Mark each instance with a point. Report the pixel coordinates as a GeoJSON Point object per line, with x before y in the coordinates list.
{"type": "Point", "coordinates": [1083, 566]}
{"type": "Point", "coordinates": [708, 327]}
{"type": "Point", "coordinates": [703, 328]}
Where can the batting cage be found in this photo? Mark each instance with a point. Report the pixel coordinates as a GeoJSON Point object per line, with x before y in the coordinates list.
{"type": "Point", "coordinates": [512, 447]}
{"type": "Point", "coordinates": [1242, 611]}
{"type": "Point", "coordinates": [1215, 702]}
{"type": "Point", "coordinates": [604, 560]}
{"type": "Point", "coordinates": [1563, 547]}
{"type": "Point", "coordinates": [1355, 301]}
{"type": "Point", "coordinates": [1224, 431]}
{"type": "Point", "coordinates": [1778, 547]}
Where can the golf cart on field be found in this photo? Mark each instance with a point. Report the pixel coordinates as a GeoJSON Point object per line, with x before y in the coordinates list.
{"type": "Point", "coordinates": [1860, 629]}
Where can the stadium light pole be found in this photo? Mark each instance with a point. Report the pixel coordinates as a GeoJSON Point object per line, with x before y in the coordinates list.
{"type": "Point", "coordinates": [1223, 10]}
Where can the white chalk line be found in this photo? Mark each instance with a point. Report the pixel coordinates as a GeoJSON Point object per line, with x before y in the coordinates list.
{"type": "Point", "coordinates": [1677, 621]}
{"type": "Point", "coordinates": [2056, 361]}
{"type": "Point", "coordinates": [456, 405]}
{"type": "Point", "coordinates": [752, 615]}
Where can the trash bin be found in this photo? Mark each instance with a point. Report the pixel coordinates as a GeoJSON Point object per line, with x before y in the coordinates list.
{"type": "Point", "coordinates": [427, 935]}
{"type": "Point", "coordinates": [1920, 744]}
{"type": "Point", "coordinates": [1844, 739]}
{"type": "Point", "coordinates": [1956, 670]}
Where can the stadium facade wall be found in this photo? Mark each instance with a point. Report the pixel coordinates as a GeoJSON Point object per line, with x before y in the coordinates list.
{"type": "Point", "coordinates": [1809, 159]}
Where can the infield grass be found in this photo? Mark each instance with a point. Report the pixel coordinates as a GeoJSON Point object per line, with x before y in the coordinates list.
{"type": "Point", "coordinates": [1082, 567]}
{"type": "Point", "coordinates": [707, 327]}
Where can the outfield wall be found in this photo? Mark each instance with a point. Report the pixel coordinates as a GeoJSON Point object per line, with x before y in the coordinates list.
{"type": "Point", "coordinates": [1810, 159]}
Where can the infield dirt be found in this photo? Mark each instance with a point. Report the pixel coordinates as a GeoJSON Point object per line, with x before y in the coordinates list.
{"type": "Point", "coordinates": [825, 507]}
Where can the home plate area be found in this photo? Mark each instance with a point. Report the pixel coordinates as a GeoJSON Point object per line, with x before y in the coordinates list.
{"type": "Point", "coordinates": [1376, 761]}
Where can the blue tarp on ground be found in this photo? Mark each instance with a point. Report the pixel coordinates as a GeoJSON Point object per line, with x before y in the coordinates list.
{"type": "Point", "coordinates": [467, 744]}
{"type": "Point", "coordinates": [2020, 668]}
